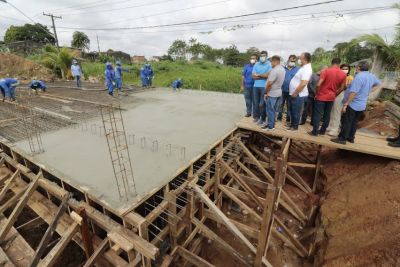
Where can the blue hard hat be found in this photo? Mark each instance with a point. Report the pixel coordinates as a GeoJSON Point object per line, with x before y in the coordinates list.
{"type": "Point", "coordinates": [118, 62]}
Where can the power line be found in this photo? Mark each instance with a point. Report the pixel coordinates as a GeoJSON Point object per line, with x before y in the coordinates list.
{"type": "Point", "coordinates": [207, 20]}
{"type": "Point", "coordinates": [54, 26]}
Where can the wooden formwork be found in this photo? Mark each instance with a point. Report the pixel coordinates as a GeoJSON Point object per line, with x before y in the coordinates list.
{"type": "Point", "coordinates": [168, 226]}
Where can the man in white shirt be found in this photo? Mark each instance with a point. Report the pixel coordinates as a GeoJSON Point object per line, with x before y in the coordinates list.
{"type": "Point", "coordinates": [298, 90]}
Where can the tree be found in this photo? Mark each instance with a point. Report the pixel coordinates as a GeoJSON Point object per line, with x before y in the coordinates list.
{"type": "Point", "coordinates": [232, 56]}
{"type": "Point", "coordinates": [80, 40]}
{"type": "Point", "coordinates": [58, 60]}
{"type": "Point", "coordinates": [29, 32]}
{"type": "Point", "coordinates": [195, 48]}
{"type": "Point", "coordinates": [252, 51]}
{"type": "Point", "coordinates": [178, 49]}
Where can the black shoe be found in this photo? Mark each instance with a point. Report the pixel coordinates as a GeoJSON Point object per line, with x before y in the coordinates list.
{"type": "Point", "coordinates": [393, 139]}
{"type": "Point", "coordinates": [321, 132]}
{"type": "Point", "coordinates": [395, 144]}
{"type": "Point", "coordinates": [111, 93]}
{"type": "Point", "coordinates": [302, 123]}
{"type": "Point", "coordinates": [339, 141]}
{"type": "Point", "coordinates": [279, 118]}
{"type": "Point", "coordinates": [350, 141]}
{"type": "Point", "coordinates": [312, 133]}
{"type": "Point", "coordinates": [248, 115]}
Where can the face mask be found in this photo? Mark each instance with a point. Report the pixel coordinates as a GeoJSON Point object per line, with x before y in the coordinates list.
{"type": "Point", "coordinates": [263, 59]}
{"type": "Point", "coordinates": [299, 61]}
{"type": "Point", "coordinates": [252, 61]}
{"type": "Point", "coordinates": [291, 64]}
{"type": "Point", "coordinates": [346, 71]}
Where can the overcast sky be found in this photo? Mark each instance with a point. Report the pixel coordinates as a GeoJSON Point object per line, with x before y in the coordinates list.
{"type": "Point", "coordinates": [281, 32]}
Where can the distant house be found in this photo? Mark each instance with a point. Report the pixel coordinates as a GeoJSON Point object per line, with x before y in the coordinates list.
{"type": "Point", "coordinates": [155, 59]}
{"type": "Point", "coordinates": [119, 55]}
{"type": "Point", "coordinates": [138, 59]}
{"type": "Point", "coordinates": [25, 47]}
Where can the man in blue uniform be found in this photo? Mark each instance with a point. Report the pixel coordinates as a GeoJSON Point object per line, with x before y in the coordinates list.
{"type": "Point", "coordinates": [149, 75]}
{"type": "Point", "coordinates": [143, 77]}
{"type": "Point", "coordinates": [110, 78]}
{"type": "Point", "coordinates": [118, 75]}
{"type": "Point", "coordinates": [37, 85]}
{"type": "Point", "coordinates": [177, 84]}
{"type": "Point", "coordinates": [7, 88]}
{"type": "Point", "coordinates": [247, 84]}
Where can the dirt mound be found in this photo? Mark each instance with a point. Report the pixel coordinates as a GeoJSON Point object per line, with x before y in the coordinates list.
{"type": "Point", "coordinates": [15, 66]}
{"type": "Point", "coordinates": [360, 213]}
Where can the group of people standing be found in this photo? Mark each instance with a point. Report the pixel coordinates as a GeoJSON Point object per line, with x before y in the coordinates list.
{"type": "Point", "coordinates": [333, 97]}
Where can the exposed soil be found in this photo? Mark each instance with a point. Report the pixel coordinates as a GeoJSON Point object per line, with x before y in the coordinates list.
{"type": "Point", "coordinates": [15, 66]}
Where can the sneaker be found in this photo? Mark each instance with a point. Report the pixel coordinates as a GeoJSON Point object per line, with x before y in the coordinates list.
{"type": "Point", "coordinates": [255, 120]}
{"type": "Point", "coordinates": [339, 141]}
{"type": "Point", "coordinates": [350, 140]}
{"type": "Point", "coordinates": [312, 133]}
{"type": "Point", "coordinates": [393, 139]}
{"type": "Point", "coordinates": [291, 129]}
{"type": "Point", "coordinates": [395, 144]}
{"type": "Point", "coordinates": [321, 133]}
{"type": "Point", "coordinates": [333, 133]}
{"type": "Point", "coordinates": [265, 125]}
{"type": "Point", "coordinates": [247, 115]}
{"type": "Point", "coordinates": [267, 129]}
{"type": "Point", "coordinates": [260, 122]}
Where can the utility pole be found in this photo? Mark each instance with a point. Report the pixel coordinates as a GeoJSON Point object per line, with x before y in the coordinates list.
{"type": "Point", "coordinates": [98, 44]}
{"type": "Point", "coordinates": [54, 26]}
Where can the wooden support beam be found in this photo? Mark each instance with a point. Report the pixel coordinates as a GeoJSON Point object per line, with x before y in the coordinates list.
{"type": "Point", "coordinates": [104, 245]}
{"type": "Point", "coordinates": [8, 184]}
{"type": "Point", "coordinates": [193, 258]}
{"type": "Point", "coordinates": [317, 168]}
{"type": "Point", "coordinates": [18, 209]}
{"type": "Point", "coordinates": [214, 237]}
{"type": "Point", "coordinates": [299, 179]}
{"type": "Point", "coordinates": [85, 233]}
{"type": "Point", "coordinates": [292, 239]}
{"type": "Point", "coordinates": [248, 171]}
{"type": "Point", "coordinates": [242, 183]}
{"type": "Point", "coordinates": [34, 223]}
{"type": "Point", "coordinates": [172, 219]}
{"type": "Point", "coordinates": [14, 199]}
{"type": "Point", "coordinates": [49, 232]}
{"type": "Point", "coordinates": [257, 183]}
{"type": "Point", "coordinates": [5, 260]}
{"type": "Point", "coordinates": [254, 159]}
{"type": "Point", "coordinates": [53, 255]}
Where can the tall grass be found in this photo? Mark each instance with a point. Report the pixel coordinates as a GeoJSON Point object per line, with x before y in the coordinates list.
{"type": "Point", "coordinates": [195, 75]}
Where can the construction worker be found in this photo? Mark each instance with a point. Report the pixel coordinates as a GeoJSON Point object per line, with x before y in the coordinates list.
{"type": "Point", "coordinates": [37, 85]}
{"type": "Point", "coordinates": [143, 77]}
{"type": "Point", "coordinates": [76, 72]}
{"type": "Point", "coordinates": [149, 75]}
{"type": "Point", "coordinates": [177, 84]}
{"type": "Point", "coordinates": [118, 75]}
{"type": "Point", "coordinates": [110, 78]}
{"type": "Point", "coordinates": [7, 88]}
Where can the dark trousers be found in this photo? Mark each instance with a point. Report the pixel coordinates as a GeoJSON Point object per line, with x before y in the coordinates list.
{"type": "Point", "coordinates": [284, 99]}
{"type": "Point", "coordinates": [321, 109]}
{"type": "Point", "coordinates": [308, 109]}
{"type": "Point", "coordinates": [259, 103]}
{"type": "Point", "coordinates": [296, 103]}
{"type": "Point", "coordinates": [349, 122]}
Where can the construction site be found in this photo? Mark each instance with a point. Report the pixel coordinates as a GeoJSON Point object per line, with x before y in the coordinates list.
{"type": "Point", "coordinates": [161, 178]}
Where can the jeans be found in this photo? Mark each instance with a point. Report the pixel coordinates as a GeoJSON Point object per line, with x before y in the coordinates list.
{"type": "Point", "coordinates": [259, 103]}
{"type": "Point", "coordinates": [321, 108]}
{"type": "Point", "coordinates": [272, 104]}
{"type": "Point", "coordinates": [78, 80]}
{"type": "Point", "coordinates": [296, 103]}
{"type": "Point", "coordinates": [308, 105]}
{"type": "Point", "coordinates": [284, 99]}
{"type": "Point", "coordinates": [248, 98]}
{"type": "Point", "coordinates": [118, 83]}
{"type": "Point", "coordinates": [349, 124]}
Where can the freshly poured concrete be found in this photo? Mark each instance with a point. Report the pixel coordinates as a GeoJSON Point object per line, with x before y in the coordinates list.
{"type": "Point", "coordinates": [188, 120]}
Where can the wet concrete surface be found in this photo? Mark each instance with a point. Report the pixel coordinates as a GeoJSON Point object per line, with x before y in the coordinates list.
{"type": "Point", "coordinates": [165, 130]}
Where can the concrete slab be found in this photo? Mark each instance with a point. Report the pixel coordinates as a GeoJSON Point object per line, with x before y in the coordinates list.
{"type": "Point", "coordinates": [187, 120]}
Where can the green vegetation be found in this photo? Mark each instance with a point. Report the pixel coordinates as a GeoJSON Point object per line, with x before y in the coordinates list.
{"type": "Point", "coordinates": [197, 75]}
{"type": "Point", "coordinates": [29, 32]}
{"type": "Point", "coordinates": [80, 40]}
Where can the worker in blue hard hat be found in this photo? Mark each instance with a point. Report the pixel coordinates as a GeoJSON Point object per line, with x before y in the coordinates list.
{"type": "Point", "coordinates": [149, 75]}
{"type": "Point", "coordinates": [110, 78]}
{"type": "Point", "coordinates": [37, 85]}
{"type": "Point", "coordinates": [7, 88]}
{"type": "Point", "coordinates": [177, 84]}
{"type": "Point", "coordinates": [118, 74]}
{"type": "Point", "coordinates": [143, 77]}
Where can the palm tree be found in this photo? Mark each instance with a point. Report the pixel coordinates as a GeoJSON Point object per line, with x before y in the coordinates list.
{"type": "Point", "coordinates": [58, 60]}
{"type": "Point", "coordinates": [80, 40]}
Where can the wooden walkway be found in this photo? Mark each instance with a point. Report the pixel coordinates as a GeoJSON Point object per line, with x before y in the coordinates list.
{"type": "Point", "coordinates": [363, 144]}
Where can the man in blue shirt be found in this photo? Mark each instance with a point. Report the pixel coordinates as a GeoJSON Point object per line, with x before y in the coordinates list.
{"type": "Point", "coordinates": [247, 84]}
{"type": "Point", "coordinates": [260, 74]}
{"type": "Point", "coordinates": [118, 74]}
{"type": "Point", "coordinates": [291, 70]}
{"type": "Point", "coordinates": [7, 88]}
{"type": "Point", "coordinates": [355, 102]}
{"type": "Point", "coordinates": [76, 72]}
{"type": "Point", "coordinates": [37, 85]}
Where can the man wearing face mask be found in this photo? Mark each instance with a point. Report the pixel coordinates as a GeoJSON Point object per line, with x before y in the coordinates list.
{"type": "Point", "coordinates": [261, 71]}
{"type": "Point", "coordinates": [247, 84]}
{"type": "Point", "coordinates": [290, 70]}
{"type": "Point", "coordinates": [298, 90]}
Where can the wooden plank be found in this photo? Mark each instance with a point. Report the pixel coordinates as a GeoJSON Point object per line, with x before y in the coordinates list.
{"type": "Point", "coordinates": [193, 258]}
{"type": "Point", "coordinates": [223, 217]}
{"type": "Point", "coordinates": [214, 237]}
{"type": "Point", "coordinates": [248, 171]}
{"type": "Point", "coordinates": [291, 237]}
{"type": "Point", "coordinates": [260, 167]}
{"type": "Point", "coordinates": [55, 253]}
{"type": "Point", "coordinates": [49, 232]}
{"type": "Point", "coordinates": [242, 183]}
{"type": "Point", "coordinates": [260, 184]}
{"type": "Point", "coordinates": [104, 245]}
{"type": "Point", "coordinates": [14, 199]}
{"type": "Point", "coordinates": [317, 168]}
{"type": "Point", "coordinates": [120, 240]}
{"type": "Point", "coordinates": [8, 184]}
{"type": "Point", "coordinates": [145, 248]}
{"type": "Point", "coordinates": [18, 209]}
{"type": "Point", "coordinates": [5, 260]}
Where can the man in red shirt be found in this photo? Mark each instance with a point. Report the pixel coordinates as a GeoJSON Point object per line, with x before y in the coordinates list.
{"type": "Point", "coordinates": [332, 80]}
